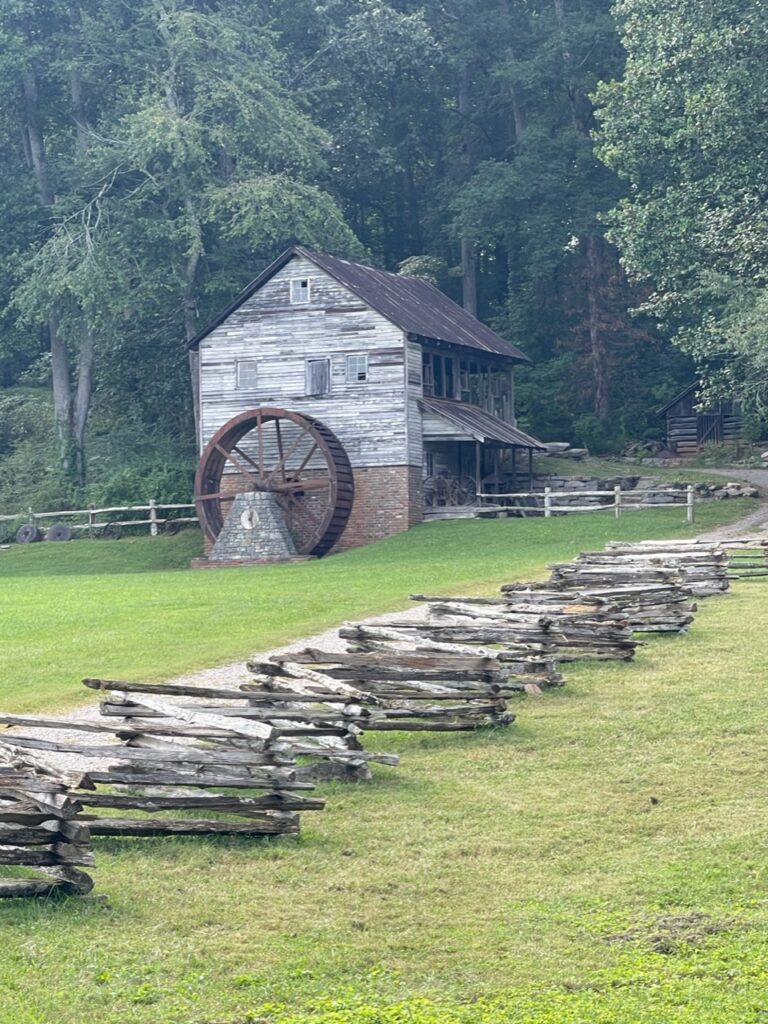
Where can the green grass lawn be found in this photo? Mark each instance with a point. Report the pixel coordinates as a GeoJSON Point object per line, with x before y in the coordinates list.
{"type": "Point", "coordinates": [601, 861]}
{"type": "Point", "coordinates": [131, 609]}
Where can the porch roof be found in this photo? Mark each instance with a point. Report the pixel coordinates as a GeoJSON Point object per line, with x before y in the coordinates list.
{"type": "Point", "coordinates": [480, 425]}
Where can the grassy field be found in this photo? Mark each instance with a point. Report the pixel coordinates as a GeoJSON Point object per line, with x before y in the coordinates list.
{"type": "Point", "coordinates": [602, 861]}
{"type": "Point", "coordinates": [131, 609]}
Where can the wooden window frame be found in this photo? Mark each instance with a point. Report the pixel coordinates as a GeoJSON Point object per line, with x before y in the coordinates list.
{"type": "Point", "coordinates": [296, 295]}
{"type": "Point", "coordinates": [308, 392]}
{"type": "Point", "coordinates": [240, 385]}
{"type": "Point", "coordinates": [352, 377]}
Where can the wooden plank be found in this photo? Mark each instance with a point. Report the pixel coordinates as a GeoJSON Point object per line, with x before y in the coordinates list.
{"type": "Point", "coordinates": [262, 826]}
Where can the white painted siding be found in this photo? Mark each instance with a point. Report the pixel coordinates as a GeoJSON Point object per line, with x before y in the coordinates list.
{"type": "Point", "coordinates": [368, 418]}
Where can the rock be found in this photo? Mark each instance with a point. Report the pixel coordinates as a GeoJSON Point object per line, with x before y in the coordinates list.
{"type": "Point", "coordinates": [575, 453]}
{"type": "Point", "coordinates": [555, 447]}
{"type": "Point", "coordinates": [764, 456]}
{"type": "Point", "coordinates": [733, 492]}
{"type": "Point", "coordinates": [750, 492]}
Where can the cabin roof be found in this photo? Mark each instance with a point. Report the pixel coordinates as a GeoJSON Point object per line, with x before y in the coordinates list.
{"type": "Point", "coordinates": [677, 398]}
{"type": "Point", "coordinates": [482, 425]}
{"type": "Point", "coordinates": [414, 306]}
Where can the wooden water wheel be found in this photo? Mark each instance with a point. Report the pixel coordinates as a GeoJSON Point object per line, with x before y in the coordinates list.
{"type": "Point", "coordinates": [287, 454]}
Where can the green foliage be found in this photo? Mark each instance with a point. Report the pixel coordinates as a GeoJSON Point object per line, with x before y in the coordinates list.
{"type": "Point", "coordinates": [682, 126]}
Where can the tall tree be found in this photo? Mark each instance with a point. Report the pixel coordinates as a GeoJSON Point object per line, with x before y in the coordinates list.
{"type": "Point", "coordinates": [686, 126]}
{"type": "Point", "coordinates": [171, 165]}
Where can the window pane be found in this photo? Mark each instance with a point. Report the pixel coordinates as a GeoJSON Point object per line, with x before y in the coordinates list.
{"type": "Point", "coordinates": [357, 369]}
{"type": "Point", "coordinates": [299, 289]}
{"type": "Point", "coordinates": [246, 373]}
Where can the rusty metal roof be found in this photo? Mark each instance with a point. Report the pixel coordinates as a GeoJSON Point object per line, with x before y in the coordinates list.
{"type": "Point", "coordinates": [414, 306]}
{"type": "Point", "coordinates": [482, 425]}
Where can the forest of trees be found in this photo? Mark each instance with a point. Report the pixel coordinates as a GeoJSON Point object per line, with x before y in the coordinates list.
{"type": "Point", "coordinates": [588, 179]}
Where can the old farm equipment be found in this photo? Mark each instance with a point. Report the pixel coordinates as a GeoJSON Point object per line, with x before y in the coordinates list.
{"type": "Point", "coordinates": [289, 456]}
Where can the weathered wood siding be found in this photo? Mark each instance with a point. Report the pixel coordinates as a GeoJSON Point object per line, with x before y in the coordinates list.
{"type": "Point", "coordinates": [413, 409]}
{"type": "Point", "coordinates": [369, 418]}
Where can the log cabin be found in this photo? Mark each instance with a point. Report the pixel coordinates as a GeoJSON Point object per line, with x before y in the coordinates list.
{"type": "Point", "coordinates": [419, 392]}
{"type": "Point", "coordinates": [689, 428]}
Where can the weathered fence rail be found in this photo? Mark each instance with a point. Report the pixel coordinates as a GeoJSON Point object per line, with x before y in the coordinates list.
{"type": "Point", "coordinates": [618, 500]}
{"type": "Point", "coordinates": [98, 519]}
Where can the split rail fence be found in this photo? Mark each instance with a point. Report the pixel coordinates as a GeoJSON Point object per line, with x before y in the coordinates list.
{"type": "Point", "coordinates": [98, 520]}
{"type": "Point", "coordinates": [176, 747]}
{"type": "Point", "coordinates": [618, 500]}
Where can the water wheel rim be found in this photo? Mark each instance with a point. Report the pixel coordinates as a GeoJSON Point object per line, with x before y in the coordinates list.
{"type": "Point", "coordinates": [209, 497]}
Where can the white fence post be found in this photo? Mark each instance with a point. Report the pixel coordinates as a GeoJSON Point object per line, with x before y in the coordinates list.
{"type": "Point", "coordinates": [152, 518]}
{"type": "Point", "coordinates": [547, 502]}
{"type": "Point", "coordinates": [91, 520]}
{"type": "Point", "coordinates": [617, 499]}
{"type": "Point", "coordinates": [689, 512]}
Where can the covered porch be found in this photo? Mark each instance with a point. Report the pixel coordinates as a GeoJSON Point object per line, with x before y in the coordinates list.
{"type": "Point", "coordinates": [469, 452]}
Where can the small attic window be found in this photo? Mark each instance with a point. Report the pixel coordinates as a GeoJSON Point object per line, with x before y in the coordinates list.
{"type": "Point", "coordinates": [299, 290]}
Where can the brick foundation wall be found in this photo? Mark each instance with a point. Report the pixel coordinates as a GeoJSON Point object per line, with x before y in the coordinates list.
{"type": "Point", "coordinates": [388, 500]}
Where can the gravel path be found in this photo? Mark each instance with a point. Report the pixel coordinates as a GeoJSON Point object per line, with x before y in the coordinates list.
{"type": "Point", "coordinates": [224, 676]}
{"type": "Point", "coordinates": [755, 521]}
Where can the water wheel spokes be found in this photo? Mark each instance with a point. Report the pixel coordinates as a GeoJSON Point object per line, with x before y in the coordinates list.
{"type": "Point", "coordinates": [289, 455]}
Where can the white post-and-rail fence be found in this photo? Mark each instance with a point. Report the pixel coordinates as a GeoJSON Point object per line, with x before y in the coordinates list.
{"type": "Point", "coordinates": [155, 520]}
{"type": "Point", "coordinates": [621, 500]}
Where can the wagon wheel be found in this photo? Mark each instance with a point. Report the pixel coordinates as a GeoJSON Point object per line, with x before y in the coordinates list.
{"type": "Point", "coordinates": [435, 491]}
{"type": "Point", "coordinates": [463, 491]}
{"type": "Point", "coordinates": [294, 457]}
{"type": "Point", "coordinates": [59, 532]}
{"type": "Point", "coordinates": [28, 534]}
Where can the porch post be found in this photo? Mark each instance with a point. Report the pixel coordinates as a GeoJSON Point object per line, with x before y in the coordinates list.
{"type": "Point", "coordinates": [514, 468]}
{"type": "Point", "coordinates": [478, 470]}
{"type": "Point", "coordinates": [530, 469]}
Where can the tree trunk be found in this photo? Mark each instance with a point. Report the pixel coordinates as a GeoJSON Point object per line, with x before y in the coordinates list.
{"type": "Point", "coordinates": [468, 277]}
{"type": "Point", "coordinates": [190, 306]}
{"type": "Point", "coordinates": [62, 388]}
{"type": "Point", "coordinates": [468, 252]}
{"type": "Point", "coordinates": [600, 371]}
{"type": "Point", "coordinates": [82, 402]}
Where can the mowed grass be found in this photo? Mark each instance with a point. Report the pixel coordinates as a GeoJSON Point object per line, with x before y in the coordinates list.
{"type": "Point", "coordinates": [132, 609]}
{"type": "Point", "coordinates": [601, 860]}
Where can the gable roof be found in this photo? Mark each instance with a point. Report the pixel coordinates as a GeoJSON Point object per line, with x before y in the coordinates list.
{"type": "Point", "coordinates": [414, 306]}
{"type": "Point", "coordinates": [677, 398]}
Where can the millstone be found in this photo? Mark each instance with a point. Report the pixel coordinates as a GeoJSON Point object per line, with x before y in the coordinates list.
{"type": "Point", "coordinates": [254, 530]}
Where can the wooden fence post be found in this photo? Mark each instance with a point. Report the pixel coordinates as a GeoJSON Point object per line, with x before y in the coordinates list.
{"type": "Point", "coordinates": [547, 502]}
{"type": "Point", "coordinates": [689, 512]}
{"type": "Point", "coordinates": [152, 518]}
{"type": "Point", "coordinates": [91, 521]}
{"type": "Point", "coordinates": [617, 499]}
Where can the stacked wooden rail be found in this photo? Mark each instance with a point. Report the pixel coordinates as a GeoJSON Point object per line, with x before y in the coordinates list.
{"type": "Point", "coordinates": [702, 568]}
{"type": "Point", "coordinates": [40, 828]}
{"type": "Point", "coordinates": [747, 556]}
{"type": "Point", "coordinates": [307, 718]}
{"type": "Point", "coordinates": [172, 758]}
{"type": "Point", "coordinates": [659, 608]}
{"type": "Point", "coordinates": [405, 689]}
{"type": "Point", "coordinates": [572, 631]}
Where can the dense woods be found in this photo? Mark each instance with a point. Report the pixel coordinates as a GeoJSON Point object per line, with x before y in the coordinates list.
{"type": "Point", "coordinates": [156, 156]}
